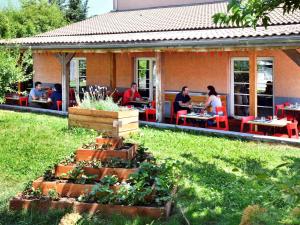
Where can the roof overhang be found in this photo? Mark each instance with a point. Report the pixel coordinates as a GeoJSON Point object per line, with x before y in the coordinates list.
{"type": "Point", "coordinates": [276, 42]}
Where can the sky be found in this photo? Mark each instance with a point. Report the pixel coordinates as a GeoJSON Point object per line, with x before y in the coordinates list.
{"type": "Point", "coordinates": [95, 6]}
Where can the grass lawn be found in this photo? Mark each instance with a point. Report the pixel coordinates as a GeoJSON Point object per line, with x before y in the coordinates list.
{"type": "Point", "coordinates": [219, 176]}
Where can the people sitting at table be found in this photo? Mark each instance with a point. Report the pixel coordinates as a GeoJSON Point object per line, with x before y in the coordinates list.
{"type": "Point", "coordinates": [55, 96]}
{"type": "Point", "coordinates": [213, 101]}
{"type": "Point", "coordinates": [131, 94]}
{"type": "Point", "coordinates": [183, 100]}
{"type": "Point", "coordinates": [35, 94]}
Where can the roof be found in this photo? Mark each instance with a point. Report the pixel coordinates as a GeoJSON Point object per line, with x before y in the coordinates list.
{"type": "Point", "coordinates": [185, 23]}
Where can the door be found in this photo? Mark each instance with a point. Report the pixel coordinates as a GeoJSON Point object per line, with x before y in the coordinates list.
{"type": "Point", "coordinates": [146, 77]}
{"type": "Point", "coordinates": [240, 95]}
{"type": "Point", "coordinates": [78, 74]}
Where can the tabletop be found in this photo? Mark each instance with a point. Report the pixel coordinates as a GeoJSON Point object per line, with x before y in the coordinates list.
{"type": "Point", "coordinates": [270, 123]}
{"type": "Point", "coordinates": [12, 98]}
{"type": "Point", "coordinates": [198, 116]}
{"type": "Point", "coordinates": [140, 102]}
{"type": "Point", "coordinates": [43, 101]}
{"type": "Point", "coordinates": [292, 108]}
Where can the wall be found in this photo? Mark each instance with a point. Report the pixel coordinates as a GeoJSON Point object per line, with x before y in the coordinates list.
{"type": "Point", "coordinates": [46, 68]}
{"type": "Point", "coordinates": [142, 4]}
{"type": "Point", "coordinates": [197, 70]}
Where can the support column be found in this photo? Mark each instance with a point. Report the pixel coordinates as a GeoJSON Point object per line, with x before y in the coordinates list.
{"type": "Point", "coordinates": [253, 83]}
{"type": "Point", "coordinates": [64, 59]}
{"type": "Point", "coordinates": [113, 72]}
{"type": "Point", "coordinates": [160, 97]}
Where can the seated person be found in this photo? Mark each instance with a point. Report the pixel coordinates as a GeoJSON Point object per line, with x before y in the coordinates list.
{"type": "Point", "coordinates": [55, 96]}
{"type": "Point", "coordinates": [35, 94]}
{"type": "Point", "coordinates": [183, 100]}
{"type": "Point", "coordinates": [213, 99]}
{"type": "Point", "coordinates": [131, 94]}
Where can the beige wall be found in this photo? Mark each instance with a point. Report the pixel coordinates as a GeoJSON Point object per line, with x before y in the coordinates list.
{"type": "Point", "coordinates": [197, 70]}
{"type": "Point", "coordinates": [141, 4]}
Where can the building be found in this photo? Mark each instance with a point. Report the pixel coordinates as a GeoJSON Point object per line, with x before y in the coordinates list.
{"type": "Point", "coordinates": [163, 45]}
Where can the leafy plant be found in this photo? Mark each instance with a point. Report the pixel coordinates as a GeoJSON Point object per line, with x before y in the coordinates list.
{"type": "Point", "coordinates": [52, 193]}
{"type": "Point", "coordinates": [109, 180]}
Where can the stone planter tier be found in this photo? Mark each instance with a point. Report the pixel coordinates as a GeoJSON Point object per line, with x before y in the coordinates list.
{"type": "Point", "coordinates": [115, 124]}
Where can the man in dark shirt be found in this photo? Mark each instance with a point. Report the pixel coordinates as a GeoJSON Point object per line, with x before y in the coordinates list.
{"type": "Point", "coordinates": [183, 100]}
{"type": "Point", "coordinates": [55, 96]}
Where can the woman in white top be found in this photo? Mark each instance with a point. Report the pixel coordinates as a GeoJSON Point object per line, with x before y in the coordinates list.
{"type": "Point", "coordinates": [213, 100]}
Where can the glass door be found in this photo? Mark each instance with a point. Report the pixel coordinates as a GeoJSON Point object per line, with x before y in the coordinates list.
{"type": "Point", "coordinates": [146, 77]}
{"type": "Point", "coordinates": [265, 99]}
{"type": "Point", "coordinates": [240, 86]}
{"type": "Point", "coordinates": [78, 74]}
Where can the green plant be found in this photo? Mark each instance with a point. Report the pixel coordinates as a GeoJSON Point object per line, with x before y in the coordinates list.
{"type": "Point", "coordinates": [53, 195]}
{"type": "Point", "coordinates": [109, 180]}
{"type": "Point", "coordinates": [31, 193]}
{"type": "Point", "coordinates": [78, 176]}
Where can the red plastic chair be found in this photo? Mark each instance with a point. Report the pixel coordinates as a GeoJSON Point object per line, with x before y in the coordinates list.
{"type": "Point", "coordinates": [292, 131]}
{"type": "Point", "coordinates": [219, 120]}
{"type": "Point", "coordinates": [179, 113]}
{"type": "Point", "coordinates": [245, 121]}
{"type": "Point", "coordinates": [287, 104]}
{"type": "Point", "coordinates": [153, 104]}
{"type": "Point", "coordinates": [22, 100]}
{"type": "Point", "coordinates": [150, 115]}
{"type": "Point", "coordinates": [59, 105]}
{"type": "Point", "coordinates": [221, 109]}
{"type": "Point", "coordinates": [280, 108]}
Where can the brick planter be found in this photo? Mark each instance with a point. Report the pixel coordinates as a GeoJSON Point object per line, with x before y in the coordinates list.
{"type": "Point", "coordinates": [88, 155]}
{"type": "Point", "coordinates": [121, 173]}
{"type": "Point", "coordinates": [113, 142]}
{"type": "Point", "coordinates": [115, 124]}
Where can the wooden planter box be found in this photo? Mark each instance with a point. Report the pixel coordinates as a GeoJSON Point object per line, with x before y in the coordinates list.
{"type": "Point", "coordinates": [115, 124]}
{"type": "Point", "coordinates": [88, 155]}
{"type": "Point", "coordinates": [113, 142]}
{"type": "Point", "coordinates": [69, 190]}
{"type": "Point", "coordinates": [121, 173]}
{"type": "Point", "coordinates": [17, 204]}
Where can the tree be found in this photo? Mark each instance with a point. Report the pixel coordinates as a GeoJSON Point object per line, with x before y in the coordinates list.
{"type": "Point", "coordinates": [13, 67]}
{"type": "Point", "coordinates": [76, 10]}
{"type": "Point", "coordinates": [254, 12]}
{"type": "Point", "coordinates": [34, 17]}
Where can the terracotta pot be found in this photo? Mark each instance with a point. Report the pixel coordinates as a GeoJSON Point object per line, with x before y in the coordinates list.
{"type": "Point", "coordinates": [121, 173]}
{"type": "Point", "coordinates": [88, 155]}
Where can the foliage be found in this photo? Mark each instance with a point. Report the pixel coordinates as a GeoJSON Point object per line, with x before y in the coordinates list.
{"type": "Point", "coordinates": [11, 70]}
{"type": "Point", "coordinates": [218, 176]}
{"type": "Point", "coordinates": [33, 17]}
{"type": "Point", "coordinates": [96, 98]}
{"type": "Point", "coordinates": [254, 12]}
{"type": "Point", "coordinates": [77, 10]}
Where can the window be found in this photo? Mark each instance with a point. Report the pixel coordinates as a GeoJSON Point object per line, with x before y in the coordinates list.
{"type": "Point", "coordinates": [241, 85]}
{"type": "Point", "coordinates": [78, 74]}
{"type": "Point", "coordinates": [146, 77]}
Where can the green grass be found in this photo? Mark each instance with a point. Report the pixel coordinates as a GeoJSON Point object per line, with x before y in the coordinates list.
{"type": "Point", "coordinates": [219, 176]}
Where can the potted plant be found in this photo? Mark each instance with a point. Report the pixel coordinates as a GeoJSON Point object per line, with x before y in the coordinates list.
{"type": "Point", "coordinates": [99, 112]}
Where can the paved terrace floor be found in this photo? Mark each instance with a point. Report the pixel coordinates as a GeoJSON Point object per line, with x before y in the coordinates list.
{"type": "Point", "coordinates": [234, 126]}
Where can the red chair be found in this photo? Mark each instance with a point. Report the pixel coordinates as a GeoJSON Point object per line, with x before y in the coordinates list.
{"type": "Point", "coordinates": [59, 105]}
{"type": "Point", "coordinates": [23, 100]}
{"type": "Point", "coordinates": [280, 108]}
{"type": "Point", "coordinates": [291, 128]}
{"type": "Point", "coordinates": [172, 112]}
{"type": "Point", "coordinates": [150, 115]}
{"type": "Point", "coordinates": [219, 121]}
{"type": "Point", "coordinates": [179, 113]}
{"type": "Point", "coordinates": [221, 110]}
{"type": "Point", "coordinates": [72, 99]}
{"type": "Point", "coordinates": [153, 104]}
{"type": "Point", "coordinates": [245, 121]}
{"type": "Point", "coordinates": [287, 104]}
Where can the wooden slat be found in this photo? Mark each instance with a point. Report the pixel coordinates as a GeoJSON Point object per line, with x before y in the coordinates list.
{"type": "Point", "coordinates": [159, 93]}
{"type": "Point", "coordinates": [129, 127]}
{"type": "Point", "coordinates": [92, 119]}
{"type": "Point", "coordinates": [253, 83]}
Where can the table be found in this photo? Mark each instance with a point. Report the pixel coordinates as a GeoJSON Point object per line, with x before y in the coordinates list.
{"type": "Point", "coordinates": [43, 101]}
{"type": "Point", "coordinates": [15, 98]}
{"type": "Point", "coordinates": [140, 102]}
{"type": "Point", "coordinates": [270, 123]}
{"type": "Point", "coordinates": [197, 116]}
{"type": "Point", "coordinates": [293, 109]}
